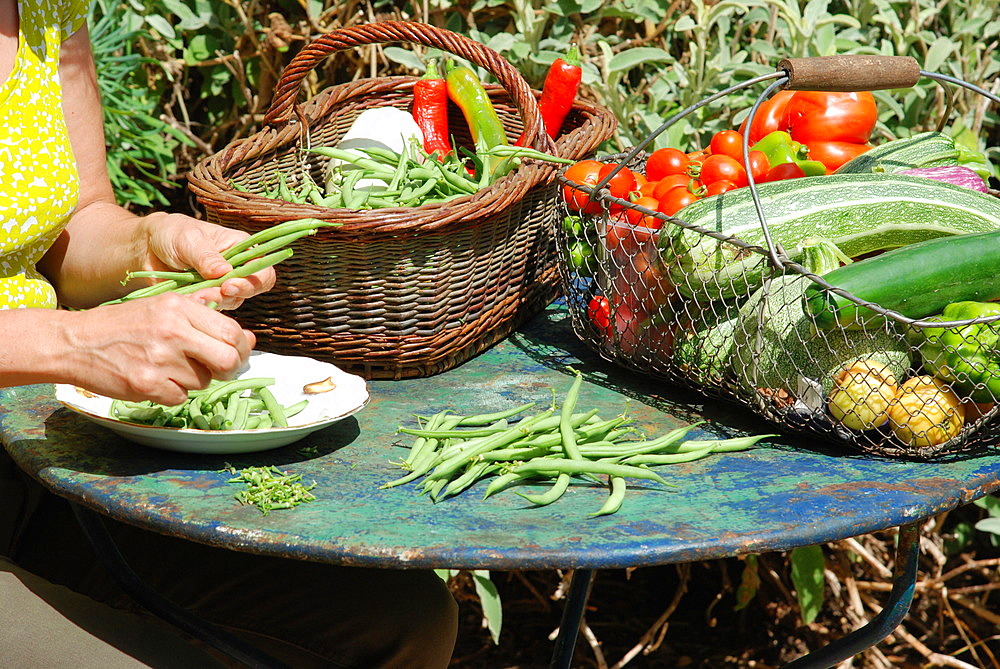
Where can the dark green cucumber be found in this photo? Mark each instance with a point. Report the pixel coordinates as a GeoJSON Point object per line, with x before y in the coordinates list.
{"type": "Point", "coordinates": [859, 213]}
{"type": "Point", "coordinates": [916, 281]}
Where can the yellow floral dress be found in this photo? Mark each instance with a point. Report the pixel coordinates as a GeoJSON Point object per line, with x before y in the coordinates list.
{"type": "Point", "coordinates": [39, 184]}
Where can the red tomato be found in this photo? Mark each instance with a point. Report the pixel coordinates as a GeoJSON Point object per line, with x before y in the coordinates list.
{"type": "Point", "coordinates": [770, 116]}
{"type": "Point", "coordinates": [651, 286]}
{"type": "Point", "coordinates": [835, 154]}
{"type": "Point", "coordinates": [759, 167]}
{"type": "Point", "coordinates": [584, 172]}
{"type": "Point", "coordinates": [831, 117]}
{"type": "Point", "coordinates": [633, 217]}
{"type": "Point", "coordinates": [785, 171]}
{"type": "Point", "coordinates": [671, 180]}
{"type": "Point", "coordinates": [666, 161]}
{"type": "Point", "coordinates": [719, 166]}
{"type": "Point", "coordinates": [599, 313]}
{"type": "Point", "coordinates": [727, 143]}
{"type": "Point", "coordinates": [645, 190]}
{"type": "Point", "coordinates": [720, 186]}
{"type": "Point", "coordinates": [676, 199]}
{"type": "Point", "coordinates": [621, 184]}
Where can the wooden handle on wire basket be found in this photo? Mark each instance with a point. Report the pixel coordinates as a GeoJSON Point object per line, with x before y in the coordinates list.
{"type": "Point", "coordinates": [850, 72]}
{"type": "Point", "coordinates": [383, 32]}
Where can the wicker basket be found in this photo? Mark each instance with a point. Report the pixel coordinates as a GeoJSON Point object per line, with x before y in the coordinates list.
{"type": "Point", "coordinates": [401, 292]}
{"type": "Point", "coordinates": [756, 345]}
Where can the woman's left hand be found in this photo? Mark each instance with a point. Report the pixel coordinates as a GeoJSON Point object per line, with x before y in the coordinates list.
{"type": "Point", "coordinates": [178, 242]}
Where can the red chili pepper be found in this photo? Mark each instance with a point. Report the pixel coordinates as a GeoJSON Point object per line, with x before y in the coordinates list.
{"type": "Point", "coordinates": [430, 111]}
{"type": "Point", "coordinates": [559, 92]}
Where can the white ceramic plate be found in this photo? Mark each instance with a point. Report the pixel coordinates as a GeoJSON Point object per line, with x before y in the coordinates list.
{"type": "Point", "coordinates": [291, 373]}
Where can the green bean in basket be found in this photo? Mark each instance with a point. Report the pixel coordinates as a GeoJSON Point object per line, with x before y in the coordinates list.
{"type": "Point", "coordinates": [258, 251]}
{"type": "Point", "coordinates": [453, 452]}
{"type": "Point", "coordinates": [241, 404]}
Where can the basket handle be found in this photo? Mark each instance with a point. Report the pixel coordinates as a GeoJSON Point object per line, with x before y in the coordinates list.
{"type": "Point", "coordinates": [287, 88]}
{"type": "Point", "coordinates": [850, 72]}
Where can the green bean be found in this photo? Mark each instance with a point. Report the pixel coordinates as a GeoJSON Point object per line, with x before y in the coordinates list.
{"type": "Point", "coordinates": [525, 152]}
{"type": "Point", "coordinates": [247, 269]}
{"type": "Point", "coordinates": [232, 405]}
{"type": "Point", "coordinates": [225, 388]}
{"type": "Point", "coordinates": [580, 466]}
{"type": "Point", "coordinates": [418, 193]}
{"type": "Point", "coordinates": [504, 481]}
{"type": "Point", "coordinates": [293, 409]}
{"type": "Point", "coordinates": [275, 410]}
{"type": "Point", "coordinates": [266, 247]}
{"type": "Point", "coordinates": [449, 434]}
{"type": "Point", "coordinates": [552, 494]}
{"type": "Point", "coordinates": [508, 436]}
{"type": "Point", "coordinates": [179, 277]}
{"type": "Point", "coordinates": [565, 427]}
{"type": "Point", "coordinates": [283, 191]}
{"type": "Point", "coordinates": [731, 445]}
{"type": "Point", "coordinates": [467, 479]}
{"type": "Point", "coordinates": [378, 153]}
{"type": "Point", "coordinates": [615, 499]}
{"type": "Point", "coordinates": [279, 230]}
{"type": "Point", "coordinates": [664, 458]}
{"type": "Point", "coordinates": [352, 158]}
{"type": "Point", "coordinates": [487, 418]}
{"type": "Point", "coordinates": [241, 415]}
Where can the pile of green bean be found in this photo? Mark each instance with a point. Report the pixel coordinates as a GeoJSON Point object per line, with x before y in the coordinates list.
{"type": "Point", "coordinates": [268, 488]}
{"type": "Point", "coordinates": [412, 178]}
{"type": "Point", "coordinates": [258, 251]}
{"type": "Point", "coordinates": [239, 404]}
{"type": "Point", "coordinates": [454, 452]}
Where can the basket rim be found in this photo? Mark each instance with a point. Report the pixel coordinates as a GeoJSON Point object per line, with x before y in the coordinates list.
{"type": "Point", "coordinates": [210, 178]}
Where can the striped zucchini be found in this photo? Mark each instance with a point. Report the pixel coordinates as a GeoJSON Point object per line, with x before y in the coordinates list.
{"type": "Point", "coordinates": [927, 149]}
{"type": "Point", "coordinates": [860, 213]}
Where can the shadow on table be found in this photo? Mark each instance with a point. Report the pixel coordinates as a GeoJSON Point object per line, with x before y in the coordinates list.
{"type": "Point", "coordinates": [78, 445]}
{"type": "Point", "coordinates": [549, 340]}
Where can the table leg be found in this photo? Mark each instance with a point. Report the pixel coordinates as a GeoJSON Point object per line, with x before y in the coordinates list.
{"type": "Point", "coordinates": [903, 583]}
{"type": "Point", "coordinates": [228, 644]}
{"type": "Point", "coordinates": [572, 617]}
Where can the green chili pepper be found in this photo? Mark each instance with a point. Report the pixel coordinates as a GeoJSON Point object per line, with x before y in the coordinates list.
{"type": "Point", "coordinates": [967, 357]}
{"type": "Point", "coordinates": [467, 92]}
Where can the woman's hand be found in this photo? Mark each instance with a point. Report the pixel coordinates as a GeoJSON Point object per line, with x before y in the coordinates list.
{"type": "Point", "coordinates": [178, 242]}
{"type": "Point", "coordinates": [156, 348]}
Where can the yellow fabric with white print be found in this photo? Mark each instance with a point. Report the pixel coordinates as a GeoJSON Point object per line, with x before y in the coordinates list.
{"type": "Point", "coordinates": [39, 184]}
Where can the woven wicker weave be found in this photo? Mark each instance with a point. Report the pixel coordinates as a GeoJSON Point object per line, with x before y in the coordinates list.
{"type": "Point", "coordinates": [401, 292]}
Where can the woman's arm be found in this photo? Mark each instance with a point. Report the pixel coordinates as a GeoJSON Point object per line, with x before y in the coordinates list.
{"type": "Point", "coordinates": [103, 241]}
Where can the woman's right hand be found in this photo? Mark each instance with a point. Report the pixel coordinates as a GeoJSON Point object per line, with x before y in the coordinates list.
{"type": "Point", "coordinates": [155, 348]}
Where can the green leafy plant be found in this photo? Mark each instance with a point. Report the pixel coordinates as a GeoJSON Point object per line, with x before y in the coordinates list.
{"type": "Point", "coordinates": [141, 146]}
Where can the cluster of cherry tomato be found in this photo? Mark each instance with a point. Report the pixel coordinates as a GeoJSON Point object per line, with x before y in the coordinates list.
{"type": "Point", "coordinates": [795, 132]}
{"type": "Point", "coordinates": [834, 127]}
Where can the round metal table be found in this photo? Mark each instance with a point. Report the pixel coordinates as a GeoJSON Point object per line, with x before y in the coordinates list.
{"type": "Point", "coordinates": [783, 494]}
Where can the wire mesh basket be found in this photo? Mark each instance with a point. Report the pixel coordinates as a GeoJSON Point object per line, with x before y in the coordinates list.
{"type": "Point", "coordinates": [746, 316]}
{"type": "Point", "coordinates": [398, 292]}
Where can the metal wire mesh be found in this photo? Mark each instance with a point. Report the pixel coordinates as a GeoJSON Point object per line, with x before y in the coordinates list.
{"type": "Point", "coordinates": [725, 315]}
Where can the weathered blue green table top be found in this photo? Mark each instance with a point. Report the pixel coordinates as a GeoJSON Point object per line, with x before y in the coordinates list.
{"type": "Point", "coordinates": [783, 494]}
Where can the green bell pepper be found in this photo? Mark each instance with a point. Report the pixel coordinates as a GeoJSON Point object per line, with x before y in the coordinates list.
{"type": "Point", "coordinates": [780, 148]}
{"type": "Point", "coordinates": [967, 357]}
